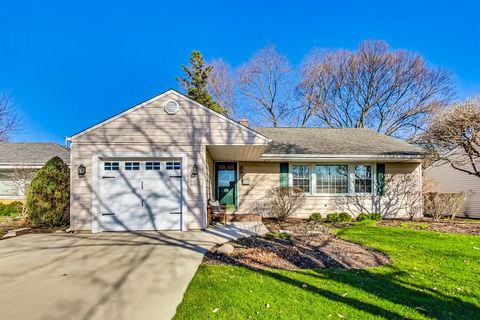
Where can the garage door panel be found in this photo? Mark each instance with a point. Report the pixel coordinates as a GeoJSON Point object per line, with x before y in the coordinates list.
{"type": "Point", "coordinates": [140, 195]}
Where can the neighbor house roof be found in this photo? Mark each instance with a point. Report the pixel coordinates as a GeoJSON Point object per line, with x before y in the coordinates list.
{"type": "Point", "coordinates": [31, 153]}
{"type": "Point", "coordinates": [345, 141]}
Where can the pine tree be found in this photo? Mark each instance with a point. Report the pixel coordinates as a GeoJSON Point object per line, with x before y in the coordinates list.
{"type": "Point", "coordinates": [195, 82]}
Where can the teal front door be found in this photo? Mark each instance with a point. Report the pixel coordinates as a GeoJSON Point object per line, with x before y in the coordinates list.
{"type": "Point", "coordinates": [226, 184]}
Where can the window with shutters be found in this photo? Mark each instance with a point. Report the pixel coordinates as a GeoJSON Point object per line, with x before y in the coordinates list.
{"type": "Point", "coordinates": [301, 177]}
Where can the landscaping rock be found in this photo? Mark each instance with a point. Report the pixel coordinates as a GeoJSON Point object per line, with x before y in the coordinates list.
{"type": "Point", "coordinates": [226, 249]}
{"type": "Point", "coordinates": [22, 229]}
{"type": "Point", "coordinates": [59, 231]}
{"type": "Point", "coordinates": [10, 234]}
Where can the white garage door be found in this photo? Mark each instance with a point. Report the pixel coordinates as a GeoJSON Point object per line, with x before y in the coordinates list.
{"type": "Point", "coordinates": [140, 195]}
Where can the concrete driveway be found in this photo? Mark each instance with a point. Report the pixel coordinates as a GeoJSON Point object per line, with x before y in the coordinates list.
{"type": "Point", "coordinates": [100, 276]}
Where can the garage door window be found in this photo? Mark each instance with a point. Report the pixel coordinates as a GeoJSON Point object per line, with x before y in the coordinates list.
{"type": "Point", "coordinates": [132, 165]}
{"type": "Point", "coordinates": [152, 165]}
{"type": "Point", "coordinates": [109, 166]}
{"type": "Point", "coordinates": [173, 165]}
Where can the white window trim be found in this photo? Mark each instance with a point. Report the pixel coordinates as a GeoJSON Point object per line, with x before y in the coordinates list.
{"type": "Point", "coordinates": [374, 174]}
{"type": "Point", "coordinates": [349, 192]}
{"type": "Point", "coordinates": [351, 179]}
{"type": "Point", "coordinates": [290, 175]}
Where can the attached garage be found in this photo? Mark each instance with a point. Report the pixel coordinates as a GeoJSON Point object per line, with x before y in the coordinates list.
{"type": "Point", "coordinates": [140, 194]}
{"type": "Point", "coordinates": [147, 168]}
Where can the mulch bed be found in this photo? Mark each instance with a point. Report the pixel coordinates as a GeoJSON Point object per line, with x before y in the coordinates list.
{"type": "Point", "coordinates": [447, 226]}
{"type": "Point", "coordinates": [303, 252]}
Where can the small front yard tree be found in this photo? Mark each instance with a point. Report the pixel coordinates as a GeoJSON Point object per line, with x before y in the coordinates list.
{"type": "Point", "coordinates": [48, 197]}
{"type": "Point", "coordinates": [21, 177]}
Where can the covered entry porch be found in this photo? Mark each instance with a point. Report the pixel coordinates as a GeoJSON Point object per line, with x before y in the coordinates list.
{"type": "Point", "coordinates": [225, 176]}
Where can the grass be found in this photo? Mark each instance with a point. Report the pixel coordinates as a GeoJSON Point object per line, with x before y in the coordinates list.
{"type": "Point", "coordinates": [432, 276]}
{"type": "Point", "coordinates": [414, 225]}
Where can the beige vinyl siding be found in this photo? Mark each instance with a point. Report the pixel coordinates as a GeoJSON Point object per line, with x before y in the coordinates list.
{"type": "Point", "coordinates": [265, 175]}
{"type": "Point", "coordinates": [447, 179]}
{"type": "Point", "coordinates": [149, 130]}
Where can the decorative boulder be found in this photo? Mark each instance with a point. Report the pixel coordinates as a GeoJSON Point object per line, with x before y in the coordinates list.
{"type": "Point", "coordinates": [225, 249]}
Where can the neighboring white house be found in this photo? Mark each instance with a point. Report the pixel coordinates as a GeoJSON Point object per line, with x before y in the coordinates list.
{"type": "Point", "coordinates": [447, 179]}
{"type": "Point", "coordinates": [23, 155]}
{"type": "Point", "coordinates": [156, 165]}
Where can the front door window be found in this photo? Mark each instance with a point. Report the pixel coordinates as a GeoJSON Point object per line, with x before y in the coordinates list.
{"type": "Point", "coordinates": [226, 184]}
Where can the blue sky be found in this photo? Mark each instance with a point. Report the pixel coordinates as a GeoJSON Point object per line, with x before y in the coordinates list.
{"type": "Point", "coordinates": [70, 64]}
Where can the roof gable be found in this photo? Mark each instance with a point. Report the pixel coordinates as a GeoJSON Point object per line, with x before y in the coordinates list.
{"type": "Point", "coordinates": [161, 96]}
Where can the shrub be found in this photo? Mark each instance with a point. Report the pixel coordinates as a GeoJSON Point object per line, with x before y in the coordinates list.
{"type": "Point", "coordinates": [11, 209]}
{"type": "Point", "coordinates": [363, 216]}
{"type": "Point", "coordinates": [262, 208]}
{"type": "Point", "coordinates": [439, 205]}
{"type": "Point", "coordinates": [284, 202]}
{"type": "Point", "coordinates": [48, 197]}
{"type": "Point", "coordinates": [316, 217]}
{"type": "Point", "coordinates": [339, 217]}
{"type": "Point", "coordinates": [375, 216]}
{"type": "Point", "coordinates": [278, 236]}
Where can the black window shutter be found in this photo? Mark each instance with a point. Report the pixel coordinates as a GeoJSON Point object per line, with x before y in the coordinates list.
{"type": "Point", "coordinates": [380, 179]}
{"type": "Point", "coordinates": [284, 175]}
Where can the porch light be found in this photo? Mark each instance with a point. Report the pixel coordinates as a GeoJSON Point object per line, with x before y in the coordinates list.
{"type": "Point", "coordinates": [241, 170]}
{"type": "Point", "coordinates": [81, 171]}
{"type": "Point", "coordinates": [194, 170]}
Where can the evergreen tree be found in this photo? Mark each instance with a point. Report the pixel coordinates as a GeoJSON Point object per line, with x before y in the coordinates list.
{"type": "Point", "coordinates": [48, 196]}
{"type": "Point", "coordinates": [195, 82]}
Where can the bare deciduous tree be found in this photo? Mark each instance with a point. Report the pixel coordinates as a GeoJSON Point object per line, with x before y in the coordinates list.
{"type": "Point", "coordinates": [21, 178]}
{"type": "Point", "coordinates": [454, 136]}
{"type": "Point", "coordinates": [8, 118]}
{"type": "Point", "coordinates": [313, 87]}
{"type": "Point", "coordinates": [389, 91]}
{"type": "Point", "coordinates": [265, 82]}
{"type": "Point", "coordinates": [221, 85]}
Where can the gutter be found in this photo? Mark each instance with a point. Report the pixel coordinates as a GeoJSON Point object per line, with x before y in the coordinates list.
{"type": "Point", "coordinates": [339, 157]}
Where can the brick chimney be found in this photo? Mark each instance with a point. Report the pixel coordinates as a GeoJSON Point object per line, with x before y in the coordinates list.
{"type": "Point", "coordinates": [243, 122]}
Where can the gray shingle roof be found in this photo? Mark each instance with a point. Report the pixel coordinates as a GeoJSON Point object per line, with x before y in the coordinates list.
{"type": "Point", "coordinates": [335, 141]}
{"type": "Point", "coordinates": [34, 153]}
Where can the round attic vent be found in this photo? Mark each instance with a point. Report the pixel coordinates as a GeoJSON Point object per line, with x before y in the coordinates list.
{"type": "Point", "coordinates": [171, 107]}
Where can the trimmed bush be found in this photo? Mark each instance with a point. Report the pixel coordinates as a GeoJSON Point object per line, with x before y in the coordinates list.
{"type": "Point", "coordinates": [317, 217]}
{"type": "Point", "coordinates": [363, 217]}
{"type": "Point", "coordinates": [369, 216]}
{"type": "Point", "coordinates": [375, 216]}
{"type": "Point", "coordinates": [12, 209]}
{"type": "Point", "coordinates": [48, 197]}
{"type": "Point", "coordinates": [339, 217]}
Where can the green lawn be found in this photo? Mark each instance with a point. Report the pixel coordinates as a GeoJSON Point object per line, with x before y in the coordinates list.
{"type": "Point", "coordinates": [433, 276]}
